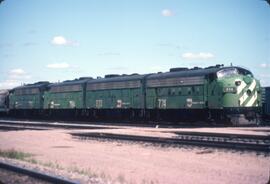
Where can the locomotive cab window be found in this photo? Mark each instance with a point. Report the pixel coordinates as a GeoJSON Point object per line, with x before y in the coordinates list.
{"type": "Point", "coordinates": [245, 72]}
{"type": "Point", "coordinates": [228, 72]}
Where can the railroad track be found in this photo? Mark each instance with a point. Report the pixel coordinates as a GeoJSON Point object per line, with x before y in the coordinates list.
{"type": "Point", "coordinates": [84, 125]}
{"type": "Point", "coordinates": [161, 124]}
{"type": "Point", "coordinates": [229, 141]}
{"type": "Point", "coordinates": [16, 128]}
{"type": "Point", "coordinates": [121, 123]}
{"type": "Point", "coordinates": [44, 125]}
{"type": "Point", "coordinates": [221, 140]}
{"type": "Point", "coordinates": [39, 176]}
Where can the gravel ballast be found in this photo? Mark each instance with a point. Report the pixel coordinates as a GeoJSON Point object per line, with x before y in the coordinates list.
{"type": "Point", "coordinates": [123, 162]}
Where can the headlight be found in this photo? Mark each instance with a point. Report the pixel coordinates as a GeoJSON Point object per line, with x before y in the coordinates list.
{"type": "Point", "coordinates": [229, 90]}
{"type": "Point", "coordinates": [237, 83]}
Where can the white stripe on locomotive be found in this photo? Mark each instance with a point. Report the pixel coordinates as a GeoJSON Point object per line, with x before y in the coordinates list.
{"type": "Point", "coordinates": [252, 100]}
{"type": "Point", "coordinates": [245, 96]}
{"type": "Point", "coordinates": [241, 87]}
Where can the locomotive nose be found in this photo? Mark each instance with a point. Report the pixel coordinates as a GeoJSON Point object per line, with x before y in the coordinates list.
{"type": "Point", "coordinates": [247, 93]}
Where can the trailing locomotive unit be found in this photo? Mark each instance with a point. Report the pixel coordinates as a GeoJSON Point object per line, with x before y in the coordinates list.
{"type": "Point", "coordinates": [115, 96]}
{"type": "Point", "coordinates": [219, 93]}
{"type": "Point", "coordinates": [65, 99]}
{"type": "Point", "coordinates": [27, 100]}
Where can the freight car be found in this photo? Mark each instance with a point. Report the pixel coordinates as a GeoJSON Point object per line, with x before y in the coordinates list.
{"type": "Point", "coordinates": [3, 102]}
{"type": "Point", "coordinates": [222, 94]}
{"type": "Point", "coordinates": [266, 103]}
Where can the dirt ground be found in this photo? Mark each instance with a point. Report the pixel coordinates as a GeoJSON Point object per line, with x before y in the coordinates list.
{"type": "Point", "coordinates": [125, 162]}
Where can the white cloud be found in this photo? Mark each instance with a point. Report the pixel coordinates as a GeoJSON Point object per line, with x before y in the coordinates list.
{"type": "Point", "coordinates": [61, 40]}
{"type": "Point", "coordinates": [58, 65]}
{"type": "Point", "coordinates": [167, 13]}
{"type": "Point", "coordinates": [18, 73]}
{"type": "Point", "coordinates": [8, 84]}
{"type": "Point", "coordinates": [15, 77]}
{"type": "Point", "coordinates": [200, 55]}
{"type": "Point", "coordinates": [264, 65]}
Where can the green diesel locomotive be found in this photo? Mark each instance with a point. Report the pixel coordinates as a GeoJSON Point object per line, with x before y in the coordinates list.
{"type": "Point", "coordinates": [27, 100]}
{"type": "Point", "coordinates": [216, 93]}
{"type": "Point", "coordinates": [65, 99]}
{"type": "Point", "coordinates": [223, 94]}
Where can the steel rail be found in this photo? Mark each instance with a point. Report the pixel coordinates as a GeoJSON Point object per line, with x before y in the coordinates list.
{"type": "Point", "coordinates": [134, 123]}
{"type": "Point", "coordinates": [18, 127]}
{"type": "Point", "coordinates": [227, 135]}
{"type": "Point", "coordinates": [52, 125]}
{"type": "Point", "coordinates": [36, 174]}
{"type": "Point", "coordinates": [178, 140]}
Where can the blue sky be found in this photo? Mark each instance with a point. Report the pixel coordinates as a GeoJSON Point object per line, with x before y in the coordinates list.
{"type": "Point", "coordinates": [66, 39]}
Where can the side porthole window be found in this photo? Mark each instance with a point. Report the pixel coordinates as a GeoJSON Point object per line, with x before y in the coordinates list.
{"type": "Point", "coordinates": [159, 92]}
{"type": "Point", "coordinates": [198, 90]}
{"type": "Point", "coordinates": [172, 91]}
{"type": "Point", "coordinates": [180, 91]}
{"type": "Point", "coordinates": [189, 92]}
{"type": "Point", "coordinates": [169, 92]}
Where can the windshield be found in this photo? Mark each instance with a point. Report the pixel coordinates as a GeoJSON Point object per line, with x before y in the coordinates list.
{"type": "Point", "coordinates": [244, 72]}
{"type": "Point", "coordinates": [227, 72]}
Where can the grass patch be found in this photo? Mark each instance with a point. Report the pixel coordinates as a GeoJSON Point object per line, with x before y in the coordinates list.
{"type": "Point", "coordinates": [52, 165]}
{"type": "Point", "coordinates": [27, 157]}
{"type": "Point", "coordinates": [18, 155]}
{"type": "Point", "coordinates": [32, 161]}
{"type": "Point", "coordinates": [13, 154]}
{"type": "Point", "coordinates": [86, 172]}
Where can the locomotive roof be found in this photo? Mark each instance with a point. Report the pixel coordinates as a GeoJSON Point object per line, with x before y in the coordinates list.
{"type": "Point", "coordinates": [190, 72]}
{"type": "Point", "coordinates": [118, 79]}
{"type": "Point", "coordinates": [185, 73]}
{"type": "Point", "coordinates": [35, 85]}
{"type": "Point", "coordinates": [70, 82]}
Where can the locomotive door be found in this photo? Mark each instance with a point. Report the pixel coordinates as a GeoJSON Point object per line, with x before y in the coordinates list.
{"type": "Point", "coordinates": [212, 97]}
